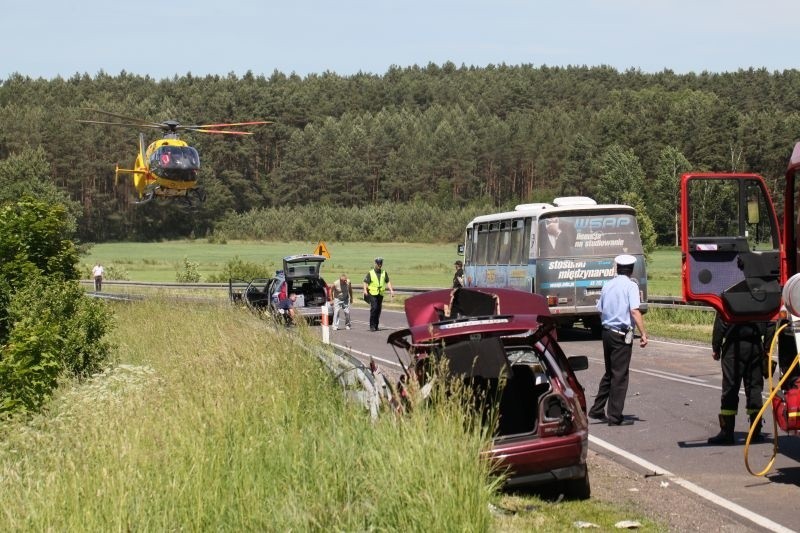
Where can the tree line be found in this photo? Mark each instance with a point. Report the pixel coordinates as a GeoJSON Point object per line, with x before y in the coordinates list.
{"type": "Point", "coordinates": [437, 137]}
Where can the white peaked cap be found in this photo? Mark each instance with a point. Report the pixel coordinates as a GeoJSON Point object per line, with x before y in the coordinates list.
{"type": "Point", "coordinates": [624, 260]}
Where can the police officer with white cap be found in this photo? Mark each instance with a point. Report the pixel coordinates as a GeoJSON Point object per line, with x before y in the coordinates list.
{"type": "Point", "coordinates": [619, 312]}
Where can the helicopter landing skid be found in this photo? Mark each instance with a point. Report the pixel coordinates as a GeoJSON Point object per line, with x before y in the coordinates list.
{"type": "Point", "coordinates": [190, 198]}
{"type": "Point", "coordinates": [148, 196]}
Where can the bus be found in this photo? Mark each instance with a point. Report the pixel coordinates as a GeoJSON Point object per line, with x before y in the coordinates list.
{"type": "Point", "coordinates": [563, 251]}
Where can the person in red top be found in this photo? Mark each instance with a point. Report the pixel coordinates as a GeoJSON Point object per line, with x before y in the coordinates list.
{"type": "Point", "coordinates": [286, 308]}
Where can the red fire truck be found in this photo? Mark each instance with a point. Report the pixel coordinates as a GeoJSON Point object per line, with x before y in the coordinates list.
{"type": "Point", "coordinates": [741, 260]}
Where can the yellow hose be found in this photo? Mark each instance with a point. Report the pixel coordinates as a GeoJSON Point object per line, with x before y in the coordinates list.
{"type": "Point", "coordinates": [768, 403]}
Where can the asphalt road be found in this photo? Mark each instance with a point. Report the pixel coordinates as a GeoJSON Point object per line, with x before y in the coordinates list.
{"type": "Point", "coordinates": [673, 398]}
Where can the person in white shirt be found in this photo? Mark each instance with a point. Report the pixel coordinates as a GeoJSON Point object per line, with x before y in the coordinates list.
{"type": "Point", "coordinates": [341, 297]}
{"type": "Point", "coordinates": [97, 272]}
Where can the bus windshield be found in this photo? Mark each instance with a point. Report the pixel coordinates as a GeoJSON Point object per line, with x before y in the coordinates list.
{"type": "Point", "coordinates": [588, 235]}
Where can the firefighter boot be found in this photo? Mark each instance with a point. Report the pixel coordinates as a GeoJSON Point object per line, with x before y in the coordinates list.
{"type": "Point", "coordinates": [757, 436]}
{"type": "Point", "coordinates": [725, 435]}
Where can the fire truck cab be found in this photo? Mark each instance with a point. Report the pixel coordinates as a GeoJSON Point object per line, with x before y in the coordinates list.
{"type": "Point", "coordinates": [738, 258]}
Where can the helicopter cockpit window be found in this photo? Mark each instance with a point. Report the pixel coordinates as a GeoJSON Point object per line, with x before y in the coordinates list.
{"type": "Point", "coordinates": [175, 157]}
{"type": "Point", "coordinates": [175, 162]}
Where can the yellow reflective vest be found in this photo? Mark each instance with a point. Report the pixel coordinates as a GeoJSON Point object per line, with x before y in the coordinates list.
{"type": "Point", "coordinates": [377, 286]}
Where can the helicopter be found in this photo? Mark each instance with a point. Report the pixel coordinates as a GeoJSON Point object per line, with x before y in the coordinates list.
{"type": "Point", "coordinates": [167, 168]}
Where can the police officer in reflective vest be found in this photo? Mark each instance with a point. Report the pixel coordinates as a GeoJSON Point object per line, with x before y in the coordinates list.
{"type": "Point", "coordinates": [740, 349]}
{"type": "Point", "coordinates": [375, 284]}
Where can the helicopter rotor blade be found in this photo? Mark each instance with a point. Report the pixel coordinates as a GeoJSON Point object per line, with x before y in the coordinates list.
{"type": "Point", "coordinates": [221, 132]}
{"type": "Point", "coordinates": [230, 124]}
{"type": "Point", "coordinates": [137, 125]}
{"type": "Point", "coordinates": [138, 121]}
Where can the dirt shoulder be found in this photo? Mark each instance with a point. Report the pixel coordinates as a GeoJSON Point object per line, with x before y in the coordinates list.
{"type": "Point", "coordinates": [654, 497]}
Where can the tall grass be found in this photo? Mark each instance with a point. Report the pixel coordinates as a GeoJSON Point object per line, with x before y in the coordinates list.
{"type": "Point", "coordinates": [693, 324]}
{"type": "Point", "coordinates": [214, 421]}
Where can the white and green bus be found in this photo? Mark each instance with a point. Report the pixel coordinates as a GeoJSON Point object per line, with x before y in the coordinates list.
{"type": "Point", "coordinates": [564, 251]}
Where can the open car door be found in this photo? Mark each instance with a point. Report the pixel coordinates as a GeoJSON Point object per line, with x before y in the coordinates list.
{"type": "Point", "coordinates": [730, 245]}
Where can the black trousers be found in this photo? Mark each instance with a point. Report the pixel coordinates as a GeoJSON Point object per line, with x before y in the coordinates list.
{"type": "Point", "coordinates": [741, 362]}
{"type": "Point", "coordinates": [614, 385]}
{"type": "Point", "coordinates": [375, 307]}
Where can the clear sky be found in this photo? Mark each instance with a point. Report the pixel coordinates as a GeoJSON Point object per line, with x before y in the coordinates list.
{"type": "Point", "coordinates": [49, 38]}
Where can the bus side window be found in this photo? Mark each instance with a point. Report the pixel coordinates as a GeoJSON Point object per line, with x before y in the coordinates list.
{"type": "Point", "coordinates": [504, 253]}
{"type": "Point", "coordinates": [493, 243]}
{"type": "Point", "coordinates": [468, 260]}
{"type": "Point", "coordinates": [482, 243]}
{"type": "Point", "coordinates": [518, 241]}
{"type": "Point", "coordinates": [529, 246]}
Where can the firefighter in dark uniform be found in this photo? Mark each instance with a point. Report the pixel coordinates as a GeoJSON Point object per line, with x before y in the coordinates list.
{"type": "Point", "coordinates": [740, 349]}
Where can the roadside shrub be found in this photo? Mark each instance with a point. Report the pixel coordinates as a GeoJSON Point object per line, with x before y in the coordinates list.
{"type": "Point", "coordinates": [237, 268]}
{"type": "Point", "coordinates": [187, 272]}
{"type": "Point", "coordinates": [34, 240]}
{"type": "Point", "coordinates": [29, 367]}
{"type": "Point", "coordinates": [57, 332]}
{"type": "Point", "coordinates": [217, 237]}
{"type": "Point", "coordinates": [34, 237]}
{"type": "Point", "coordinates": [116, 272]}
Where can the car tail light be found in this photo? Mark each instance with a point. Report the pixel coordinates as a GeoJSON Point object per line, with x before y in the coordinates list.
{"type": "Point", "coordinates": [557, 417]}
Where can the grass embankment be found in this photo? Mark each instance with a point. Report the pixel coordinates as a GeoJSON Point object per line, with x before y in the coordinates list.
{"type": "Point", "coordinates": [214, 421]}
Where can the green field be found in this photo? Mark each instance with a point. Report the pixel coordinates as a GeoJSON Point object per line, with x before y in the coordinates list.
{"type": "Point", "coordinates": [408, 264]}
{"type": "Point", "coordinates": [423, 265]}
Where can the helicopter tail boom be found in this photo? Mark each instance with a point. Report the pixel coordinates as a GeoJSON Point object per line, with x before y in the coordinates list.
{"type": "Point", "coordinates": [118, 171]}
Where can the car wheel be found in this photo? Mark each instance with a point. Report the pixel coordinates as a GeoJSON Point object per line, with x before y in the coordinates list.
{"type": "Point", "coordinates": [577, 489]}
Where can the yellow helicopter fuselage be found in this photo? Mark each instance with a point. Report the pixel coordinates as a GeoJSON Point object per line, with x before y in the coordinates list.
{"type": "Point", "coordinates": [168, 167]}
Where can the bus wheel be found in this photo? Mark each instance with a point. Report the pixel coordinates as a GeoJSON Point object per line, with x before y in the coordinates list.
{"type": "Point", "coordinates": [595, 326]}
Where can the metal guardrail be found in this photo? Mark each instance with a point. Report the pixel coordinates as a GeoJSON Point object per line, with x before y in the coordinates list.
{"type": "Point", "coordinates": [666, 302]}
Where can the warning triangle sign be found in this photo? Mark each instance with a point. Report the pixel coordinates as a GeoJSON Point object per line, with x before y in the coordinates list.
{"type": "Point", "coordinates": [322, 250]}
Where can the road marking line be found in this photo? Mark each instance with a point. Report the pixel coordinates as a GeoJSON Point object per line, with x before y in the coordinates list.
{"type": "Point", "coordinates": [667, 376]}
{"type": "Point", "coordinates": [676, 375]}
{"type": "Point", "coordinates": [681, 379]}
{"type": "Point", "coordinates": [350, 350]}
{"type": "Point", "coordinates": [678, 344]}
{"type": "Point", "coordinates": [700, 491]}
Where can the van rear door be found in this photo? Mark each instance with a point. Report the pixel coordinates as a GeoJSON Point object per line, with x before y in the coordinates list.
{"type": "Point", "coordinates": [303, 266]}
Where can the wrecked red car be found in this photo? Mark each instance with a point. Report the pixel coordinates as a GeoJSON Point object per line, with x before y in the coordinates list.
{"type": "Point", "coordinates": [502, 343]}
